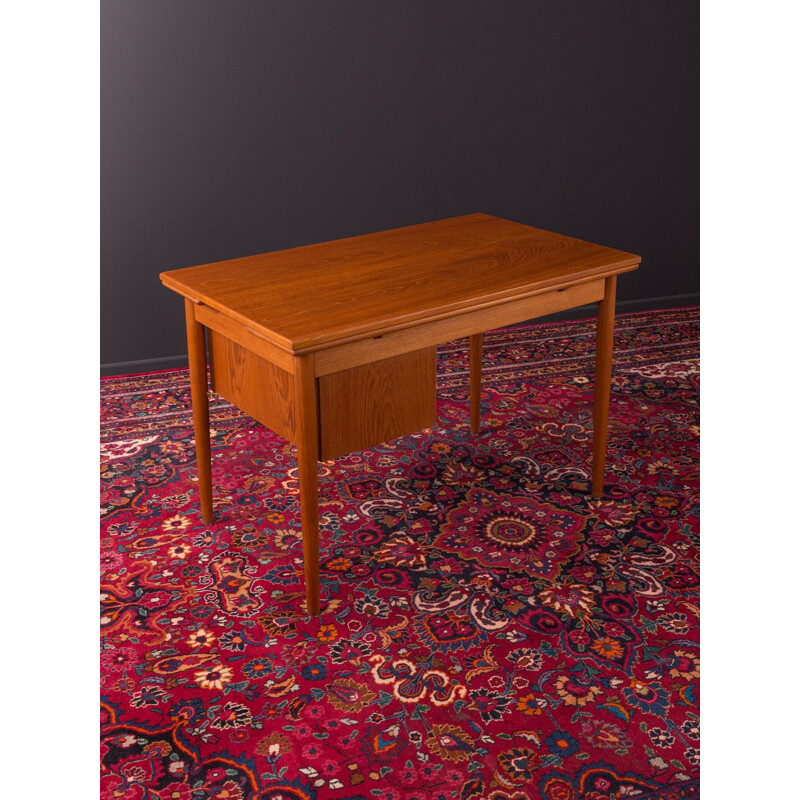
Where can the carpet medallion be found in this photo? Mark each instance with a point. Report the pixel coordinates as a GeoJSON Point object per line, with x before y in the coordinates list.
{"type": "Point", "coordinates": [489, 631]}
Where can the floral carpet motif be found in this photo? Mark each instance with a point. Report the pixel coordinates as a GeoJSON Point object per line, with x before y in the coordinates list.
{"type": "Point", "coordinates": [489, 630]}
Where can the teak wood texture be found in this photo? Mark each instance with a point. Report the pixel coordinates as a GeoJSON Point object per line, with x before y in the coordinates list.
{"type": "Point", "coordinates": [261, 389]}
{"type": "Point", "coordinates": [306, 298]}
{"type": "Point", "coordinates": [364, 406]}
{"type": "Point", "coordinates": [333, 345]}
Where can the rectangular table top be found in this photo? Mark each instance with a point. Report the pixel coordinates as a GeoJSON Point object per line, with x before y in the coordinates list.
{"type": "Point", "coordinates": [322, 294]}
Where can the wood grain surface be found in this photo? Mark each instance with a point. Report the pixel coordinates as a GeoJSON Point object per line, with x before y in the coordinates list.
{"type": "Point", "coordinates": [468, 323]}
{"type": "Point", "coordinates": [241, 334]}
{"type": "Point", "coordinates": [260, 388]}
{"type": "Point", "coordinates": [374, 403]}
{"type": "Point", "coordinates": [345, 290]}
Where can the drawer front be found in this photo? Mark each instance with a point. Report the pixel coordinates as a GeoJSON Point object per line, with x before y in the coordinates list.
{"type": "Point", "coordinates": [374, 403]}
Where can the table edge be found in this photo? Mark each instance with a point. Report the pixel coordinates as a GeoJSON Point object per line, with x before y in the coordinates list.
{"type": "Point", "coordinates": [314, 344]}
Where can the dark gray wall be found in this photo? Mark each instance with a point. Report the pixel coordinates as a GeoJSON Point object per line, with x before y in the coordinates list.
{"type": "Point", "coordinates": [231, 128]}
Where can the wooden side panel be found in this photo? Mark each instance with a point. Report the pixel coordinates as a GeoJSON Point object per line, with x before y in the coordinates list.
{"type": "Point", "coordinates": [373, 403]}
{"type": "Point", "coordinates": [260, 388]}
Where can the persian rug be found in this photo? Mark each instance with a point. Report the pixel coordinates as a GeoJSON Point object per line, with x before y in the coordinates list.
{"type": "Point", "coordinates": [489, 630]}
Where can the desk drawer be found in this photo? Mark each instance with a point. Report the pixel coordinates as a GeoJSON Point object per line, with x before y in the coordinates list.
{"type": "Point", "coordinates": [358, 408]}
{"type": "Point", "coordinates": [366, 405]}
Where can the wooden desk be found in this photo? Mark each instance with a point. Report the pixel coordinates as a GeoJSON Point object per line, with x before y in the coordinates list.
{"type": "Point", "coordinates": [333, 345]}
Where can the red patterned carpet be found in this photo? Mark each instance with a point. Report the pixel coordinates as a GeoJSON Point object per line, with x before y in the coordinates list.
{"type": "Point", "coordinates": [488, 630]}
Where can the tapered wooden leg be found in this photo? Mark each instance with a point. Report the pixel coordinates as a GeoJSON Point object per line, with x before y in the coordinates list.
{"type": "Point", "coordinates": [307, 454]}
{"type": "Point", "coordinates": [475, 363]}
{"type": "Point", "coordinates": [196, 340]}
{"type": "Point", "coordinates": [602, 382]}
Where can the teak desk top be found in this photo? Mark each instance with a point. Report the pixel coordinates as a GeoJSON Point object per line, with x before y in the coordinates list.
{"type": "Point", "coordinates": [333, 345]}
{"type": "Point", "coordinates": [307, 298]}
